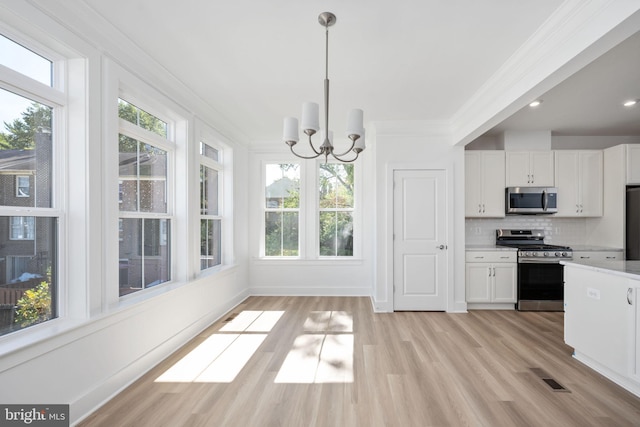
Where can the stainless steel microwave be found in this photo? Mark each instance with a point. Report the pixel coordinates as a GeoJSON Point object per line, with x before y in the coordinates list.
{"type": "Point", "coordinates": [531, 200]}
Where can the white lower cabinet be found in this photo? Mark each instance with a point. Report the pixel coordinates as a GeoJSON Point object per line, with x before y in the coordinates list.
{"type": "Point", "coordinates": [491, 277]}
{"type": "Point", "coordinates": [602, 323]}
{"type": "Point", "coordinates": [598, 255]}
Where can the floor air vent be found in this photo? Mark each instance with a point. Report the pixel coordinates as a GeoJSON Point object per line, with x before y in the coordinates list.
{"type": "Point", "coordinates": [555, 385]}
{"type": "Point", "coordinates": [230, 317]}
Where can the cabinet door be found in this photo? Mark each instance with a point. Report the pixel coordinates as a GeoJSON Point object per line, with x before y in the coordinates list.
{"type": "Point", "coordinates": [493, 183]}
{"type": "Point", "coordinates": [541, 168]}
{"type": "Point", "coordinates": [633, 164]}
{"type": "Point", "coordinates": [478, 282]}
{"type": "Point", "coordinates": [591, 183]}
{"type": "Point", "coordinates": [568, 182]}
{"type": "Point", "coordinates": [504, 282]}
{"type": "Point", "coordinates": [635, 361]}
{"type": "Point", "coordinates": [473, 184]}
{"type": "Point", "coordinates": [517, 169]}
{"type": "Point", "coordinates": [597, 316]}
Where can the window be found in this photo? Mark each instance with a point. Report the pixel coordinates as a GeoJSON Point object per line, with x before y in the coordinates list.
{"type": "Point", "coordinates": [22, 228]}
{"type": "Point", "coordinates": [309, 210]}
{"type": "Point", "coordinates": [144, 226]}
{"type": "Point", "coordinates": [282, 210]}
{"type": "Point", "coordinates": [335, 201]}
{"type": "Point", "coordinates": [23, 186]}
{"type": "Point", "coordinates": [29, 121]}
{"type": "Point", "coordinates": [210, 207]}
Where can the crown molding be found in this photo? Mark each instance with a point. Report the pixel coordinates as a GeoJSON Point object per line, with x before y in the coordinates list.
{"type": "Point", "coordinates": [574, 35]}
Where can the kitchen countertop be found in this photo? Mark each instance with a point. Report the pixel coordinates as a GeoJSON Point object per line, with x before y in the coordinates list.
{"type": "Point", "coordinates": [488, 247]}
{"type": "Point", "coordinates": [628, 269]}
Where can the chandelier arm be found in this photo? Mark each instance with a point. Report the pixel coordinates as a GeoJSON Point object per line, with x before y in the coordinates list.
{"type": "Point", "coordinates": [338, 157]}
{"type": "Point", "coordinates": [305, 157]}
{"type": "Point", "coordinates": [353, 144]}
{"type": "Point", "coordinates": [314, 148]}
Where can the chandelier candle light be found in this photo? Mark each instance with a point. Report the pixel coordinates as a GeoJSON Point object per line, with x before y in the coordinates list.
{"type": "Point", "coordinates": [310, 117]}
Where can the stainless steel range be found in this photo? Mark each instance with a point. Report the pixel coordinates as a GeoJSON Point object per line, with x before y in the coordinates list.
{"type": "Point", "coordinates": [540, 274]}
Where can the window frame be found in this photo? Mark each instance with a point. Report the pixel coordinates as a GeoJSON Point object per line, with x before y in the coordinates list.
{"type": "Point", "coordinates": [18, 186]}
{"type": "Point", "coordinates": [264, 209]}
{"type": "Point", "coordinates": [169, 146]}
{"type": "Point", "coordinates": [309, 216]}
{"type": "Point", "coordinates": [217, 165]}
{"type": "Point", "coordinates": [59, 96]}
{"type": "Point", "coordinates": [352, 210]}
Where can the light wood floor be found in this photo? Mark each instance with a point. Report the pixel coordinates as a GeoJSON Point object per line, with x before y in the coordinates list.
{"type": "Point", "coordinates": [483, 368]}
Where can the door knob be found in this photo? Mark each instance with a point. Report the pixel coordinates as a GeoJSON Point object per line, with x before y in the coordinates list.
{"type": "Point", "coordinates": [441, 247]}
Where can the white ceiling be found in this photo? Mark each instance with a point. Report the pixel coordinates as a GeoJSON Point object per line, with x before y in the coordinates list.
{"type": "Point", "coordinates": [256, 61]}
{"type": "Point", "coordinates": [590, 101]}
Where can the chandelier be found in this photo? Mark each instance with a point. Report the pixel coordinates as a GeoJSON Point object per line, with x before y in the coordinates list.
{"type": "Point", "coordinates": [310, 117]}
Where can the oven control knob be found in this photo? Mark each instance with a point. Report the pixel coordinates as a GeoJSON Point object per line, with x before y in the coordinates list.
{"type": "Point", "coordinates": [558, 254]}
{"type": "Point", "coordinates": [546, 254]}
{"type": "Point", "coordinates": [565, 254]}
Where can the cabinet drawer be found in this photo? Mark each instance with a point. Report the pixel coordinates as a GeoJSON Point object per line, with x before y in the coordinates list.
{"type": "Point", "coordinates": [597, 255]}
{"type": "Point", "coordinates": [491, 256]}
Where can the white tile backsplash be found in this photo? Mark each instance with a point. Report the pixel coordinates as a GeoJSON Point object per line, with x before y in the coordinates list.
{"type": "Point", "coordinates": [558, 231]}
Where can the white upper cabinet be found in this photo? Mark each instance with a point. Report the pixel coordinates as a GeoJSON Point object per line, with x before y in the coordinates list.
{"type": "Point", "coordinates": [633, 164]}
{"type": "Point", "coordinates": [579, 178]}
{"type": "Point", "coordinates": [529, 169]}
{"type": "Point", "coordinates": [484, 184]}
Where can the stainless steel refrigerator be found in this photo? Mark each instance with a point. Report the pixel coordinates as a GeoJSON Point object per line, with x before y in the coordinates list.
{"type": "Point", "coordinates": [633, 223]}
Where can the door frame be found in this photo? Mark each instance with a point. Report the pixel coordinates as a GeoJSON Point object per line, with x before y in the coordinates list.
{"type": "Point", "coordinates": [448, 168]}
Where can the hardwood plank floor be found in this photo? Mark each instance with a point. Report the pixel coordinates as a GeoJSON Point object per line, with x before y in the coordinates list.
{"type": "Point", "coordinates": [483, 368]}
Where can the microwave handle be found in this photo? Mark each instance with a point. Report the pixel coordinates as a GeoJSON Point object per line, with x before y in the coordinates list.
{"type": "Point", "coordinates": [545, 200]}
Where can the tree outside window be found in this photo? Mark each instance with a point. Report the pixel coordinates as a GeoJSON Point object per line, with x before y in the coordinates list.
{"type": "Point", "coordinates": [282, 210]}
{"type": "Point", "coordinates": [336, 203]}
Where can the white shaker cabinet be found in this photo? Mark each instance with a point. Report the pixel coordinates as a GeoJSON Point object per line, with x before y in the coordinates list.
{"type": "Point", "coordinates": [633, 164]}
{"type": "Point", "coordinates": [529, 169]}
{"type": "Point", "coordinates": [484, 184]}
{"type": "Point", "coordinates": [491, 276]}
{"type": "Point", "coordinates": [602, 319]}
{"type": "Point", "coordinates": [579, 179]}
{"type": "Point", "coordinates": [600, 255]}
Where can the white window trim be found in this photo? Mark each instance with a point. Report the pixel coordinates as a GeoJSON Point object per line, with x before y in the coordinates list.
{"type": "Point", "coordinates": [224, 165]}
{"type": "Point", "coordinates": [309, 215]}
{"type": "Point", "coordinates": [120, 83]}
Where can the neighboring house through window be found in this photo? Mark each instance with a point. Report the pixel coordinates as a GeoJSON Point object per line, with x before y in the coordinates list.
{"type": "Point", "coordinates": [144, 223]}
{"type": "Point", "coordinates": [29, 201]}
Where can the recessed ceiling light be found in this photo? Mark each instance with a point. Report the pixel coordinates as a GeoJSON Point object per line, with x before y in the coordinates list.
{"type": "Point", "coordinates": [630, 103]}
{"type": "Point", "coordinates": [535, 103]}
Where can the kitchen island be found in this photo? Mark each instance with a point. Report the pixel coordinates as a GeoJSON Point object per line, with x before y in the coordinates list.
{"type": "Point", "coordinates": [602, 319]}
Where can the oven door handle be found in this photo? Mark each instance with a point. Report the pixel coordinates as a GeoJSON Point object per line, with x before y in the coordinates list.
{"type": "Point", "coordinates": [545, 200]}
{"type": "Point", "coordinates": [542, 261]}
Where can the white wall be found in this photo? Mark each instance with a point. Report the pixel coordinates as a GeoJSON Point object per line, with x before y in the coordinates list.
{"type": "Point", "coordinates": [312, 276]}
{"type": "Point", "coordinates": [421, 145]}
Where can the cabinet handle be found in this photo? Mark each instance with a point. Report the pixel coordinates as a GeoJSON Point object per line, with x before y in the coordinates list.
{"type": "Point", "coordinates": [585, 257]}
{"type": "Point", "coordinates": [528, 179]}
{"type": "Point", "coordinates": [483, 208]}
{"type": "Point", "coordinates": [494, 272]}
{"type": "Point", "coordinates": [629, 293]}
{"type": "Point", "coordinates": [577, 208]}
{"type": "Point", "coordinates": [479, 208]}
{"type": "Point", "coordinates": [489, 271]}
{"type": "Point", "coordinates": [610, 257]}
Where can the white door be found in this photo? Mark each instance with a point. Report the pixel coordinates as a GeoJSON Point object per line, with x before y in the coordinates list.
{"type": "Point", "coordinates": [420, 244]}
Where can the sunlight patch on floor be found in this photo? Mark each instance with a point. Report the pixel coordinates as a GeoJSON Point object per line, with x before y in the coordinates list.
{"type": "Point", "coordinates": [221, 357]}
{"type": "Point", "coordinates": [321, 357]}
